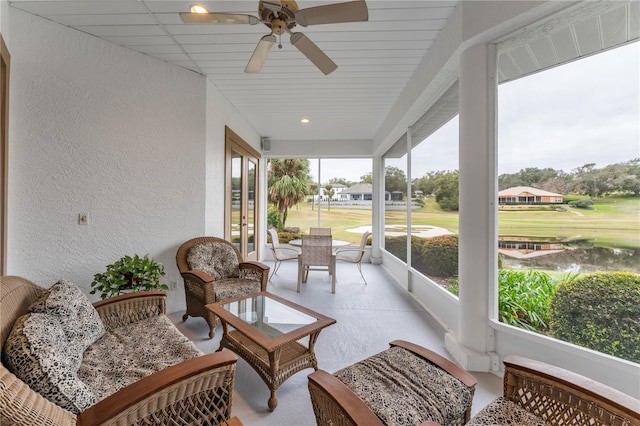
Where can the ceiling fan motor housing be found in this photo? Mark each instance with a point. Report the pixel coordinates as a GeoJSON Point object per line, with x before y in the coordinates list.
{"type": "Point", "coordinates": [281, 21]}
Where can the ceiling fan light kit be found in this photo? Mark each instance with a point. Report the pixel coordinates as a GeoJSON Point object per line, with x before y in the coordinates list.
{"type": "Point", "coordinates": [283, 16]}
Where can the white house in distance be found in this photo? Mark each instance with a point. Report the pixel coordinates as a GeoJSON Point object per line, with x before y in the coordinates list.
{"type": "Point", "coordinates": [338, 193]}
{"type": "Point", "coordinates": [528, 195]}
{"type": "Point", "coordinates": [359, 192]}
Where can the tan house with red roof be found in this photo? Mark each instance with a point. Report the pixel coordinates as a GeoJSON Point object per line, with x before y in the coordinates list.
{"type": "Point", "coordinates": [528, 195]}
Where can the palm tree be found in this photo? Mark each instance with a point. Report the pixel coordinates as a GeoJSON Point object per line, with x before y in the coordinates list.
{"type": "Point", "coordinates": [288, 182]}
{"type": "Point", "coordinates": [313, 190]}
{"type": "Point", "coordinates": [329, 192]}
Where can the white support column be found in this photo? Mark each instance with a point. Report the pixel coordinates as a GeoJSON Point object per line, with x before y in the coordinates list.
{"type": "Point", "coordinates": [478, 216]}
{"type": "Point", "coordinates": [409, 189]}
{"type": "Point", "coordinates": [377, 214]}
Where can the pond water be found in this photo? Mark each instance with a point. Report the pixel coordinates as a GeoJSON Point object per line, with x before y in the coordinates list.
{"type": "Point", "coordinates": [575, 259]}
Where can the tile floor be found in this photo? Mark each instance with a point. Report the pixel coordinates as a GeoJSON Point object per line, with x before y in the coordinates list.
{"type": "Point", "coordinates": [368, 318]}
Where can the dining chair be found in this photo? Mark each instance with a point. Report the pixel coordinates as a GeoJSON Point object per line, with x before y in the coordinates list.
{"type": "Point", "coordinates": [317, 255]}
{"type": "Point", "coordinates": [280, 254]}
{"type": "Point", "coordinates": [320, 231]}
{"type": "Point", "coordinates": [354, 254]}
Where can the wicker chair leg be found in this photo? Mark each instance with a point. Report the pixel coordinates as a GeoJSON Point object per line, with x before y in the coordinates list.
{"type": "Point", "coordinates": [212, 320]}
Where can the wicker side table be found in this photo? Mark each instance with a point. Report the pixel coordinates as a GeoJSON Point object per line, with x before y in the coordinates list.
{"type": "Point", "coordinates": [265, 330]}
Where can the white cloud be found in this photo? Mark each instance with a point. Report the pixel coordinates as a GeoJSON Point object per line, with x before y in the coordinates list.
{"type": "Point", "coordinates": [587, 111]}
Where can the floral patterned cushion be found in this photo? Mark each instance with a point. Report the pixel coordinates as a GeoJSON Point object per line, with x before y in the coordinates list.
{"type": "Point", "coordinates": [45, 346]}
{"type": "Point", "coordinates": [505, 412]}
{"type": "Point", "coordinates": [130, 352]}
{"type": "Point", "coordinates": [83, 325]}
{"type": "Point", "coordinates": [404, 389]}
{"type": "Point", "coordinates": [39, 353]}
{"type": "Point", "coordinates": [235, 287]}
{"type": "Point", "coordinates": [216, 259]}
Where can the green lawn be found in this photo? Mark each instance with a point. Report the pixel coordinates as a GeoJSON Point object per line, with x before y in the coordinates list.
{"type": "Point", "coordinates": [613, 221]}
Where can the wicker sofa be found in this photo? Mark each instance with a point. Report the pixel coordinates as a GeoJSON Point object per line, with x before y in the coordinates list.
{"type": "Point", "coordinates": [535, 393]}
{"type": "Point", "coordinates": [197, 390]}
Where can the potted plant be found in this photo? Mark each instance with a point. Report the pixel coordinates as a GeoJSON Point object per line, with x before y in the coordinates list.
{"type": "Point", "coordinates": [129, 273]}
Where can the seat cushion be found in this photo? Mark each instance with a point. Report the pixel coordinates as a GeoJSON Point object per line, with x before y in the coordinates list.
{"type": "Point", "coordinates": [404, 389]}
{"type": "Point", "coordinates": [216, 259]}
{"type": "Point", "coordinates": [505, 412]}
{"type": "Point", "coordinates": [235, 287]}
{"type": "Point", "coordinates": [131, 352]}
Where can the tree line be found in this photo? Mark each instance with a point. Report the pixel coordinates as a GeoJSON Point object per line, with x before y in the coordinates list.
{"type": "Point", "coordinates": [289, 182]}
{"type": "Point", "coordinates": [619, 178]}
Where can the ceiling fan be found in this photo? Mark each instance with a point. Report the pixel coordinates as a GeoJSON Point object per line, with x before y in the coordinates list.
{"type": "Point", "coordinates": [282, 16]}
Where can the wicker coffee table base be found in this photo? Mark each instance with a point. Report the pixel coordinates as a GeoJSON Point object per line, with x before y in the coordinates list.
{"type": "Point", "coordinates": [276, 366]}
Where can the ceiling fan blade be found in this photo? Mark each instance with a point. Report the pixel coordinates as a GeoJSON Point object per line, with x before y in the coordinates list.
{"type": "Point", "coordinates": [217, 18]}
{"type": "Point", "coordinates": [259, 56]}
{"type": "Point", "coordinates": [353, 11]}
{"type": "Point", "coordinates": [313, 52]}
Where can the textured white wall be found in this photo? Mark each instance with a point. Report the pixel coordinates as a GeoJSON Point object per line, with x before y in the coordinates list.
{"type": "Point", "coordinates": [98, 128]}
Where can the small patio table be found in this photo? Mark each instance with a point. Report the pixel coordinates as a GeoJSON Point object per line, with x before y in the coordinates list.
{"type": "Point", "coordinates": [266, 330]}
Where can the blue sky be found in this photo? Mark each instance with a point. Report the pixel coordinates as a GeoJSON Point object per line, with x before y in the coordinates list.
{"type": "Point", "coordinates": [587, 111]}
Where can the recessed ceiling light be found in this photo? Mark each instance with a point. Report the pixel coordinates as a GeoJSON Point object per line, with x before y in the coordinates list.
{"type": "Point", "coordinates": [197, 8]}
{"type": "Point", "coordinates": [304, 120]}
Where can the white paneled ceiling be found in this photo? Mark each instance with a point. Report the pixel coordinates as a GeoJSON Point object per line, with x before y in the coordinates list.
{"type": "Point", "coordinates": [375, 58]}
{"type": "Point", "coordinates": [581, 30]}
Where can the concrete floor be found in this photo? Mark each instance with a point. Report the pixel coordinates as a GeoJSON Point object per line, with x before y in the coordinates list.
{"type": "Point", "coordinates": [368, 318]}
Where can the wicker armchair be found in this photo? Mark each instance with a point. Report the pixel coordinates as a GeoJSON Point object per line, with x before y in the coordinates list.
{"type": "Point", "coordinates": [317, 255]}
{"type": "Point", "coordinates": [537, 393]}
{"type": "Point", "coordinates": [197, 390]}
{"type": "Point", "coordinates": [219, 273]}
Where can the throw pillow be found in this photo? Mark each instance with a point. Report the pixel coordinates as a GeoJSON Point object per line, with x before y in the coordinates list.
{"type": "Point", "coordinates": [38, 352]}
{"type": "Point", "coordinates": [67, 301]}
{"type": "Point", "coordinates": [216, 259]}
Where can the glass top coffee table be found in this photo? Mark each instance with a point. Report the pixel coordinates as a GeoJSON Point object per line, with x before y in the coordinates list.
{"type": "Point", "coordinates": [266, 330]}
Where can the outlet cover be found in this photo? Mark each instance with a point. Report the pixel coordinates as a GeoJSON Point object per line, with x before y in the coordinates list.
{"type": "Point", "coordinates": [83, 218]}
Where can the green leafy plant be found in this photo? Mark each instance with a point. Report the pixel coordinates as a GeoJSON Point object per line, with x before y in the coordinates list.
{"type": "Point", "coordinates": [523, 298]}
{"type": "Point", "coordinates": [600, 311]}
{"type": "Point", "coordinates": [273, 218]}
{"type": "Point", "coordinates": [129, 273]}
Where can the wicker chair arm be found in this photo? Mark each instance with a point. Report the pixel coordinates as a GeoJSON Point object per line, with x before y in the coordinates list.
{"type": "Point", "coordinates": [259, 269]}
{"type": "Point", "coordinates": [569, 389]}
{"type": "Point", "coordinates": [337, 403]}
{"type": "Point", "coordinates": [439, 361]}
{"type": "Point", "coordinates": [198, 276]}
{"type": "Point", "coordinates": [20, 405]}
{"type": "Point", "coordinates": [132, 307]}
{"type": "Point", "coordinates": [185, 391]}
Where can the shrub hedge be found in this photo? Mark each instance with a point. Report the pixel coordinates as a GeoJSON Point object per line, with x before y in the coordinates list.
{"type": "Point", "coordinates": [600, 311]}
{"type": "Point", "coordinates": [436, 256]}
